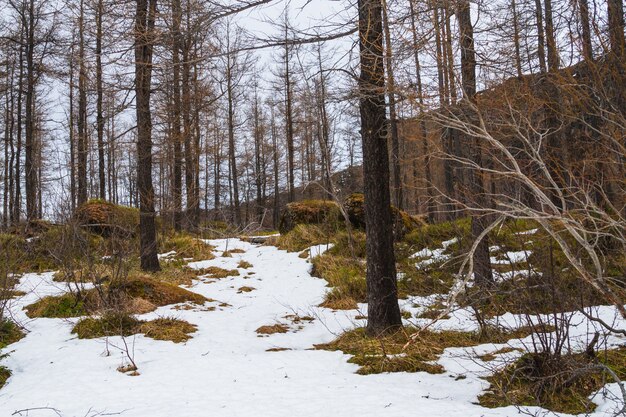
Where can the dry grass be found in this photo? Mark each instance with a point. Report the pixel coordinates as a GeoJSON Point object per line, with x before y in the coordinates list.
{"type": "Point", "coordinates": [187, 246]}
{"type": "Point", "coordinates": [492, 356]}
{"type": "Point", "coordinates": [5, 374]}
{"type": "Point", "coordinates": [172, 329]}
{"type": "Point", "coordinates": [346, 276]}
{"type": "Point", "coordinates": [244, 265]}
{"type": "Point", "coordinates": [388, 353]}
{"type": "Point", "coordinates": [275, 328]}
{"type": "Point", "coordinates": [217, 272]}
{"type": "Point", "coordinates": [245, 289]}
{"type": "Point", "coordinates": [237, 250]}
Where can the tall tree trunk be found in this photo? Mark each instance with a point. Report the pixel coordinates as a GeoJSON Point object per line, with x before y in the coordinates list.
{"type": "Point", "coordinates": [382, 294]}
{"type": "Point", "coordinates": [82, 146]}
{"type": "Point", "coordinates": [616, 28]}
{"type": "Point", "coordinates": [482, 265]}
{"type": "Point", "coordinates": [29, 120]}
{"type": "Point", "coordinates": [583, 6]}
{"type": "Point", "coordinates": [144, 42]}
{"type": "Point", "coordinates": [541, 42]}
{"type": "Point", "coordinates": [99, 115]}
{"type": "Point", "coordinates": [177, 183]}
{"type": "Point", "coordinates": [289, 126]}
{"type": "Point", "coordinates": [393, 118]}
{"type": "Point", "coordinates": [516, 39]}
{"type": "Point", "coordinates": [553, 52]}
{"type": "Point", "coordinates": [232, 159]}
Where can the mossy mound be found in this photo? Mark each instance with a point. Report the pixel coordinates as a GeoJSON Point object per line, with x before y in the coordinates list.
{"type": "Point", "coordinates": [62, 306]}
{"type": "Point", "coordinates": [120, 324]}
{"type": "Point", "coordinates": [110, 324]}
{"type": "Point", "coordinates": [562, 384]}
{"type": "Point", "coordinates": [156, 292]}
{"type": "Point", "coordinates": [136, 294]}
{"type": "Point", "coordinates": [403, 222]}
{"type": "Point", "coordinates": [309, 212]}
{"type": "Point", "coordinates": [303, 236]}
{"type": "Point", "coordinates": [346, 276]}
{"type": "Point", "coordinates": [105, 218]}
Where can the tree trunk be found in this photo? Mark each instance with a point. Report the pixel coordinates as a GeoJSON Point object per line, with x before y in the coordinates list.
{"type": "Point", "coordinates": [82, 146]}
{"type": "Point", "coordinates": [553, 52]}
{"type": "Point", "coordinates": [541, 42]}
{"type": "Point", "coordinates": [144, 40]}
{"type": "Point", "coordinates": [176, 108]}
{"type": "Point", "coordinates": [482, 265]}
{"type": "Point", "coordinates": [583, 6]}
{"type": "Point", "coordinates": [100, 116]}
{"type": "Point", "coordinates": [382, 294]}
{"type": "Point", "coordinates": [29, 120]}
{"type": "Point", "coordinates": [393, 119]}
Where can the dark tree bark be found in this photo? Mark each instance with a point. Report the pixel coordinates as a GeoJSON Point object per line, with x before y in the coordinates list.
{"type": "Point", "coordinates": [144, 42]}
{"type": "Point", "coordinates": [541, 41]}
{"type": "Point", "coordinates": [398, 191]}
{"type": "Point", "coordinates": [29, 120]}
{"type": "Point", "coordinates": [553, 52]}
{"type": "Point", "coordinates": [616, 28]}
{"type": "Point", "coordinates": [232, 160]}
{"type": "Point", "coordinates": [583, 6]}
{"type": "Point", "coordinates": [289, 125]}
{"type": "Point", "coordinates": [176, 108]}
{"type": "Point", "coordinates": [382, 294]}
{"type": "Point", "coordinates": [81, 123]}
{"type": "Point", "coordinates": [482, 265]}
{"type": "Point", "coordinates": [99, 92]}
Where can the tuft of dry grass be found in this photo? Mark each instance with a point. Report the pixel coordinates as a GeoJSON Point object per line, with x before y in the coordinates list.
{"type": "Point", "coordinates": [172, 329]}
{"type": "Point", "coordinates": [275, 328]}
{"type": "Point", "coordinates": [237, 250]}
{"type": "Point", "coordinates": [217, 272]}
{"type": "Point", "coordinates": [187, 246]}
{"type": "Point", "coordinates": [245, 289]}
{"type": "Point", "coordinates": [244, 265]}
{"type": "Point", "coordinates": [9, 333]}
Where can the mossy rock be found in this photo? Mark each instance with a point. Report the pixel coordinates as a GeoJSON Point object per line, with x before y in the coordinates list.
{"type": "Point", "coordinates": [309, 212]}
{"type": "Point", "coordinates": [105, 218]}
{"type": "Point", "coordinates": [403, 222]}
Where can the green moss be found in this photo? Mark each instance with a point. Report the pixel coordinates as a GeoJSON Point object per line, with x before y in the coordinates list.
{"type": "Point", "coordinates": [9, 333]}
{"type": "Point", "coordinates": [62, 306]}
{"type": "Point", "coordinates": [110, 324]}
{"type": "Point", "coordinates": [5, 374]}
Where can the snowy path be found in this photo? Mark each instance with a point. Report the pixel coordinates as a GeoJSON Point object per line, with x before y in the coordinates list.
{"type": "Point", "coordinates": [225, 370]}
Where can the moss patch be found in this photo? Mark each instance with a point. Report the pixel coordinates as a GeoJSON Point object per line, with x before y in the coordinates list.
{"type": "Point", "coordinates": [557, 383]}
{"type": "Point", "coordinates": [388, 353]}
{"type": "Point", "coordinates": [5, 374]}
{"type": "Point", "coordinates": [9, 333]}
{"type": "Point", "coordinates": [112, 324]}
{"type": "Point", "coordinates": [62, 306]}
{"type": "Point", "coordinates": [119, 324]}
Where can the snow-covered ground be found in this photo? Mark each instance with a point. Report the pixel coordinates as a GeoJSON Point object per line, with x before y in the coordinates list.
{"type": "Point", "coordinates": [225, 369]}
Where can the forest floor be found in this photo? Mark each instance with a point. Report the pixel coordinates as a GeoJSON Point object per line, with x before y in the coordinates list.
{"type": "Point", "coordinates": [229, 369]}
